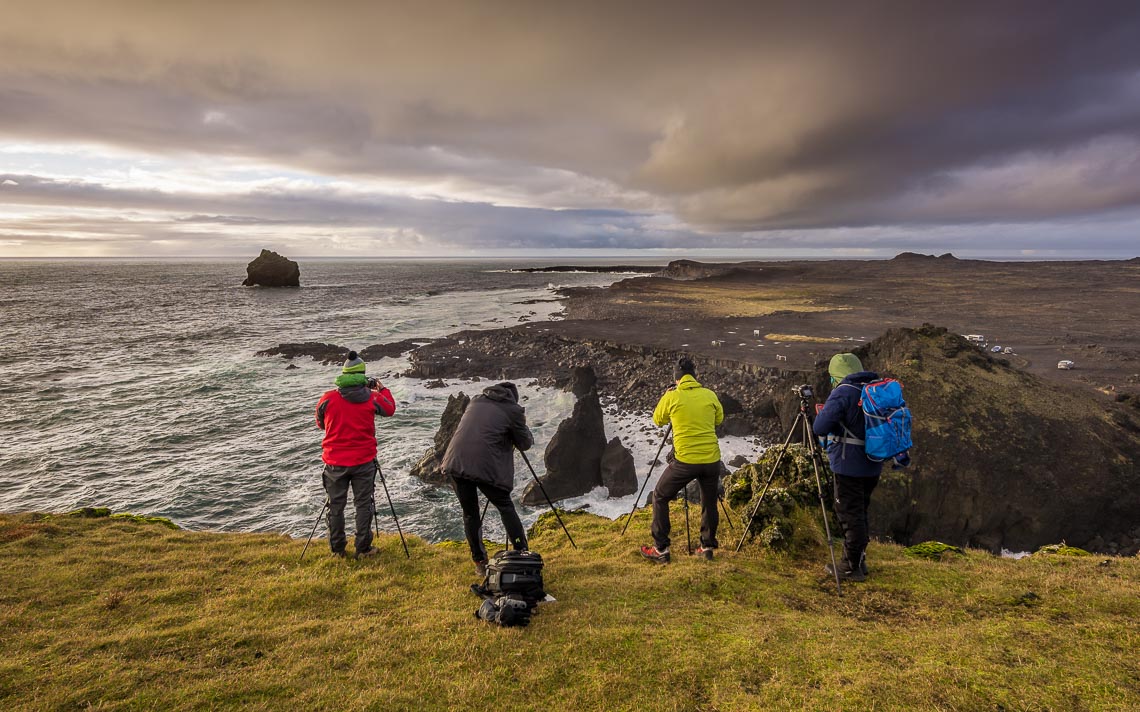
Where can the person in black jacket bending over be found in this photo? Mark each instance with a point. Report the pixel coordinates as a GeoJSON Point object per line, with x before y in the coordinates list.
{"type": "Point", "coordinates": [856, 475]}
{"type": "Point", "coordinates": [481, 458]}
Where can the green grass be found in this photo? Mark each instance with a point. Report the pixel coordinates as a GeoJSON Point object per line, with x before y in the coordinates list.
{"type": "Point", "coordinates": [118, 614]}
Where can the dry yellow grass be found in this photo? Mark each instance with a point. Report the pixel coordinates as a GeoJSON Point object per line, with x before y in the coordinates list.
{"type": "Point", "coordinates": [103, 614]}
{"type": "Point", "coordinates": [801, 337]}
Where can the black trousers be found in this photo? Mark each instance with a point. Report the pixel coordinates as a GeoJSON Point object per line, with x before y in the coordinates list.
{"type": "Point", "coordinates": [468, 493]}
{"type": "Point", "coordinates": [674, 479]}
{"type": "Point", "coordinates": [852, 499]}
{"type": "Point", "coordinates": [362, 479]}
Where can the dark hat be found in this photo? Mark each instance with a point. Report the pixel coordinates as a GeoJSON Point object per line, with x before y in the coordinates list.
{"type": "Point", "coordinates": [683, 368]}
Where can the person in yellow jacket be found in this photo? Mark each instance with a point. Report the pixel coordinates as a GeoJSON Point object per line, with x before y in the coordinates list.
{"type": "Point", "coordinates": [694, 412]}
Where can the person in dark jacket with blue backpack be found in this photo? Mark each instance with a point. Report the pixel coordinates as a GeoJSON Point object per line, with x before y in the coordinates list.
{"type": "Point", "coordinates": [856, 475]}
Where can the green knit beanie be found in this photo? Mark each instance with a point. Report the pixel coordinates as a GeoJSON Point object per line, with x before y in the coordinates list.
{"type": "Point", "coordinates": [843, 365]}
{"type": "Point", "coordinates": [354, 364]}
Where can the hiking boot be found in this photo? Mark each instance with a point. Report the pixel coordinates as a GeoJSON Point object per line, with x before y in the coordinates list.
{"type": "Point", "coordinates": [369, 552]}
{"type": "Point", "coordinates": [338, 554]}
{"type": "Point", "coordinates": [705, 552]}
{"type": "Point", "coordinates": [846, 573]}
{"type": "Point", "coordinates": [654, 554]}
{"type": "Point", "coordinates": [481, 568]}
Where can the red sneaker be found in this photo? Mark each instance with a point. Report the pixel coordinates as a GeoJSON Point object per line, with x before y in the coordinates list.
{"type": "Point", "coordinates": [704, 552]}
{"type": "Point", "coordinates": [653, 554]}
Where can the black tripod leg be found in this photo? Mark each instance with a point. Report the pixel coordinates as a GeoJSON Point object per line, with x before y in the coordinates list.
{"type": "Point", "coordinates": [649, 474]}
{"type": "Point", "coordinates": [816, 465]}
{"type": "Point", "coordinates": [393, 508]}
{"type": "Point", "coordinates": [727, 515]}
{"type": "Point", "coordinates": [547, 497]}
{"type": "Point", "coordinates": [484, 514]}
{"type": "Point", "coordinates": [315, 523]}
{"type": "Point", "coordinates": [764, 491]}
{"type": "Point", "coordinates": [688, 536]}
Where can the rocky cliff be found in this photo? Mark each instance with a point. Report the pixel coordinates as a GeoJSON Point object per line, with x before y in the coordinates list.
{"type": "Point", "coordinates": [1002, 459]}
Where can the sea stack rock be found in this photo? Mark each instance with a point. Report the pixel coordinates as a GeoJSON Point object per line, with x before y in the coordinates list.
{"type": "Point", "coordinates": [619, 475]}
{"type": "Point", "coordinates": [573, 456]}
{"type": "Point", "coordinates": [583, 380]}
{"type": "Point", "coordinates": [270, 269]}
{"type": "Point", "coordinates": [427, 469]}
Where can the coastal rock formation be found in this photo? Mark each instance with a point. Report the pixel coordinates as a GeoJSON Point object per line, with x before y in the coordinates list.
{"type": "Point", "coordinates": [635, 376]}
{"type": "Point", "coordinates": [918, 257]}
{"type": "Point", "coordinates": [1002, 459]}
{"type": "Point", "coordinates": [427, 469]}
{"type": "Point", "coordinates": [333, 353]}
{"type": "Point", "coordinates": [318, 351]}
{"type": "Point", "coordinates": [619, 475]}
{"type": "Point", "coordinates": [583, 380]}
{"type": "Point", "coordinates": [688, 269]}
{"type": "Point", "coordinates": [573, 456]}
{"type": "Point", "coordinates": [270, 269]}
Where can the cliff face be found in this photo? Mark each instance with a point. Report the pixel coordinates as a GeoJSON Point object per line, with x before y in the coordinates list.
{"type": "Point", "coordinates": [1002, 459]}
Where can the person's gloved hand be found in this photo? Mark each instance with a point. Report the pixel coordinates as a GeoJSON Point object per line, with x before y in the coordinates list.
{"type": "Point", "coordinates": [901, 461]}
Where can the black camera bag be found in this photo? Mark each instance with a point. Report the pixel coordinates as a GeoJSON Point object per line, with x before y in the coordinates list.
{"type": "Point", "coordinates": [516, 572]}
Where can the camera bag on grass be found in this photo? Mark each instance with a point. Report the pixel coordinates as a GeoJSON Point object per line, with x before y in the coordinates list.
{"type": "Point", "coordinates": [512, 588]}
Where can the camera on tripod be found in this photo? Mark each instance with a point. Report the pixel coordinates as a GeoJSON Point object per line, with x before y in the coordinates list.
{"type": "Point", "coordinates": [805, 392]}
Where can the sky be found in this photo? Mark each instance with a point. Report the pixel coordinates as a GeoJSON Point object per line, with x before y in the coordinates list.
{"type": "Point", "coordinates": [479, 128]}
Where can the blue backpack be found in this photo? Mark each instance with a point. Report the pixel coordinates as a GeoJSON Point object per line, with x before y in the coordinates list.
{"type": "Point", "coordinates": [887, 419]}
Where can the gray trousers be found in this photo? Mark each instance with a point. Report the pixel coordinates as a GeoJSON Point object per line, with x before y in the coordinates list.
{"type": "Point", "coordinates": [362, 479]}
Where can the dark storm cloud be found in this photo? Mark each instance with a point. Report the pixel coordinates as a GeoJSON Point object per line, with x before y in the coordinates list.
{"type": "Point", "coordinates": [736, 117]}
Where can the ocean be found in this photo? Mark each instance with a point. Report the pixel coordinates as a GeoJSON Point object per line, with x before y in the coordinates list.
{"type": "Point", "coordinates": [134, 385]}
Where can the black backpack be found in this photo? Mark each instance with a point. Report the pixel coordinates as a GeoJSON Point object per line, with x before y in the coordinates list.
{"type": "Point", "coordinates": [512, 588]}
{"type": "Point", "coordinates": [515, 572]}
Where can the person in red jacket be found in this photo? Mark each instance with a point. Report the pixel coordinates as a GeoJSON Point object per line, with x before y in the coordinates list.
{"type": "Point", "coordinates": [347, 414]}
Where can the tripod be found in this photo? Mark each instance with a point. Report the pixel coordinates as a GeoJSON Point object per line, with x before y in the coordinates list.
{"type": "Point", "coordinates": [649, 474]}
{"type": "Point", "coordinates": [801, 424]}
{"type": "Point", "coordinates": [375, 519]}
{"type": "Point", "coordinates": [390, 506]}
{"type": "Point", "coordinates": [546, 496]}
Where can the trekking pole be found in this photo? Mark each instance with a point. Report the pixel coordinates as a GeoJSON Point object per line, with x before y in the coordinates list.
{"type": "Point", "coordinates": [653, 464]}
{"type": "Point", "coordinates": [315, 523]}
{"type": "Point", "coordinates": [390, 506]}
{"type": "Point", "coordinates": [548, 502]}
{"type": "Point", "coordinates": [760, 499]}
{"type": "Point", "coordinates": [816, 461]}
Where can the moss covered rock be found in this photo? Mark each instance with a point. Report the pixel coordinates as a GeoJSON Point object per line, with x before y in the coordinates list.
{"type": "Point", "coordinates": [90, 512]}
{"type": "Point", "coordinates": [789, 516]}
{"type": "Point", "coordinates": [933, 550]}
{"type": "Point", "coordinates": [1061, 549]}
{"type": "Point", "coordinates": [144, 519]}
{"type": "Point", "coordinates": [105, 512]}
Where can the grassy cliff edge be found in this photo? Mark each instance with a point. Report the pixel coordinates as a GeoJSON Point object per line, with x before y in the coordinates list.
{"type": "Point", "coordinates": [125, 614]}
